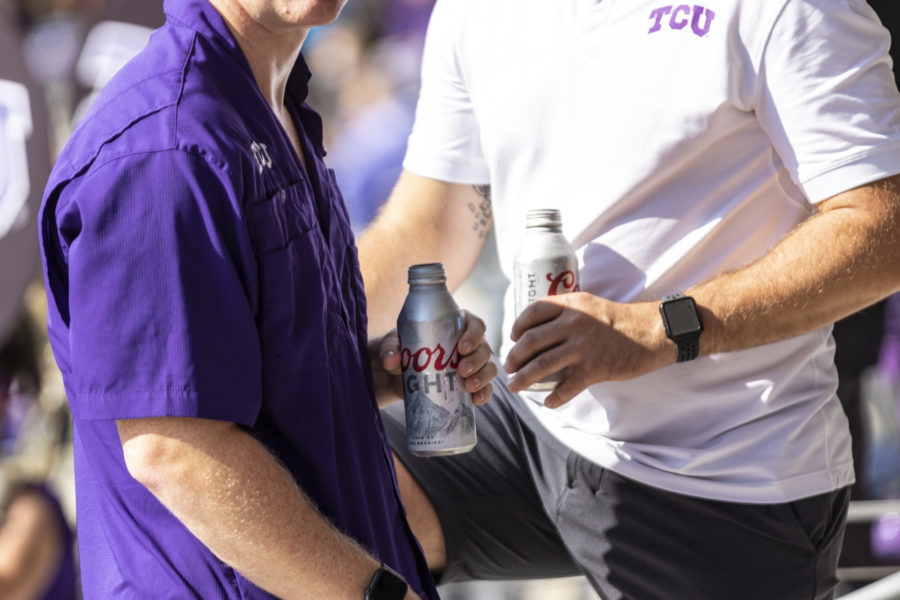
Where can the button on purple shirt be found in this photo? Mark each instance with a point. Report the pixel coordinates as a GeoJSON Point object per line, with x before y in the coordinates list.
{"type": "Point", "coordinates": [195, 269]}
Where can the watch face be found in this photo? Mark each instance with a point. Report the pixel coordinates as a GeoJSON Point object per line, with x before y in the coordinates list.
{"type": "Point", "coordinates": [681, 316]}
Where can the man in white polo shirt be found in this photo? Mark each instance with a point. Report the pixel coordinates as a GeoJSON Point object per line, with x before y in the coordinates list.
{"type": "Point", "coordinates": [740, 153]}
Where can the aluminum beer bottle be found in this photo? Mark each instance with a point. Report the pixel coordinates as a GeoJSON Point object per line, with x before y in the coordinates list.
{"type": "Point", "coordinates": [440, 417]}
{"type": "Point", "coordinates": [545, 265]}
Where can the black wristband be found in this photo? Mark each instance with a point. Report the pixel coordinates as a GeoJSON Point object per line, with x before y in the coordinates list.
{"type": "Point", "coordinates": [688, 350]}
{"type": "Point", "coordinates": [386, 584]}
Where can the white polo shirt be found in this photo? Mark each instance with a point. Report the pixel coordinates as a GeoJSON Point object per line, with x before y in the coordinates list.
{"type": "Point", "coordinates": [679, 141]}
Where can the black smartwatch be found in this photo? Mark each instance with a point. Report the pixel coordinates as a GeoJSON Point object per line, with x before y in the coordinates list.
{"type": "Point", "coordinates": [682, 323]}
{"type": "Point", "coordinates": [386, 584]}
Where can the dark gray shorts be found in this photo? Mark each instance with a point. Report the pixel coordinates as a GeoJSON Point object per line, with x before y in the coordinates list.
{"type": "Point", "coordinates": [523, 506]}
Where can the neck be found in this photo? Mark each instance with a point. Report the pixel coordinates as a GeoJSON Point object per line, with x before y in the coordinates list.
{"type": "Point", "coordinates": [271, 49]}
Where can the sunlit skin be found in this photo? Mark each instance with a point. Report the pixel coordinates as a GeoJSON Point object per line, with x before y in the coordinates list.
{"type": "Point", "coordinates": [282, 17]}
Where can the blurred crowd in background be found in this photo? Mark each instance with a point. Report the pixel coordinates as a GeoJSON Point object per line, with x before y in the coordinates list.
{"type": "Point", "coordinates": [55, 55]}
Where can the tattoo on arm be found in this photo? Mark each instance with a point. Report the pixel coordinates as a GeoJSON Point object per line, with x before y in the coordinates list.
{"type": "Point", "coordinates": [482, 211]}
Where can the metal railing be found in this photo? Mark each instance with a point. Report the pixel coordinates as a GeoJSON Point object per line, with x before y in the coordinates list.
{"type": "Point", "coordinates": [866, 511]}
{"type": "Point", "coordinates": [885, 579]}
{"type": "Point", "coordinates": [887, 588]}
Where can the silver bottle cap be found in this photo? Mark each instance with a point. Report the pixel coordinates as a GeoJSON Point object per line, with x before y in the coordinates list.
{"type": "Point", "coordinates": [544, 218]}
{"type": "Point", "coordinates": [428, 273]}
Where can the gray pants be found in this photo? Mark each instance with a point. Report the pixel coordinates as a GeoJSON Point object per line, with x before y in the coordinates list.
{"type": "Point", "coordinates": [523, 506]}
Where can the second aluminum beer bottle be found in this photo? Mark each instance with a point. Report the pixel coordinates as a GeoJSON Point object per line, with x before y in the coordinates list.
{"type": "Point", "coordinates": [545, 265]}
{"type": "Point", "coordinates": [440, 417]}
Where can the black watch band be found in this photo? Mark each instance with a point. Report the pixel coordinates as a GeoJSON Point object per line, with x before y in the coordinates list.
{"type": "Point", "coordinates": [687, 350]}
{"type": "Point", "coordinates": [682, 325]}
{"type": "Point", "coordinates": [386, 584]}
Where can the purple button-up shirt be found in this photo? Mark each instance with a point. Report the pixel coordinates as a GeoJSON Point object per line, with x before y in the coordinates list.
{"type": "Point", "coordinates": [195, 269]}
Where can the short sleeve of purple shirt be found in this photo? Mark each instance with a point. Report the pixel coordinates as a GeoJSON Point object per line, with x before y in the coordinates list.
{"type": "Point", "coordinates": [159, 277]}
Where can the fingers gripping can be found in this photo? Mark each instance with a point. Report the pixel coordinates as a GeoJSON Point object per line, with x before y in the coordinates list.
{"type": "Point", "coordinates": [545, 265]}
{"type": "Point", "coordinates": [440, 417]}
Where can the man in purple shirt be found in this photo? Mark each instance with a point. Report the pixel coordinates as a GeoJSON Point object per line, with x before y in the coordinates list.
{"type": "Point", "coordinates": [207, 313]}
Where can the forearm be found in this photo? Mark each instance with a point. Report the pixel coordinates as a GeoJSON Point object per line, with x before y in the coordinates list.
{"type": "Point", "coordinates": [242, 505]}
{"type": "Point", "coordinates": [424, 221]}
{"type": "Point", "coordinates": [838, 261]}
{"type": "Point", "coordinates": [831, 265]}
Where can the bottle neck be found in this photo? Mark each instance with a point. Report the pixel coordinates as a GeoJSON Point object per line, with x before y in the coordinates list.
{"type": "Point", "coordinates": [543, 228]}
{"type": "Point", "coordinates": [431, 286]}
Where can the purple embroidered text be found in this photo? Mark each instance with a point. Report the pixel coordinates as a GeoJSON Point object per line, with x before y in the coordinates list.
{"type": "Point", "coordinates": [679, 16]}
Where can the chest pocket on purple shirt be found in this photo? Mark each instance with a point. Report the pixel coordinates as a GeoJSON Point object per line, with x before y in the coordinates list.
{"type": "Point", "coordinates": [294, 316]}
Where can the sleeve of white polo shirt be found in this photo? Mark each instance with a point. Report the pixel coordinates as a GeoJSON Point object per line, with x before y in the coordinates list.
{"type": "Point", "coordinates": [444, 143]}
{"type": "Point", "coordinates": [826, 96]}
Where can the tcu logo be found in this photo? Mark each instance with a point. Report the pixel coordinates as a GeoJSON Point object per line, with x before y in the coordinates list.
{"type": "Point", "coordinates": [261, 156]}
{"type": "Point", "coordinates": [679, 16]}
{"type": "Point", "coordinates": [565, 279]}
{"type": "Point", "coordinates": [421, 358]}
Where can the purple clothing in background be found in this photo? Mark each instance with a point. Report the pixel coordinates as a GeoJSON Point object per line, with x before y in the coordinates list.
{"type": "Point", "coordinates": [61, 585]}
{"type": "Point", "coordinates": [889, 358]}
{"type": "Point", "coordinates": [195, 269]}
{"type": "Point", "coordinates": [406, 17]}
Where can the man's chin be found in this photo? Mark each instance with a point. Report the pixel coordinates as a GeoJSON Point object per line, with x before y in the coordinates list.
{"type": "Point", "coordinates": [319, 12]}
